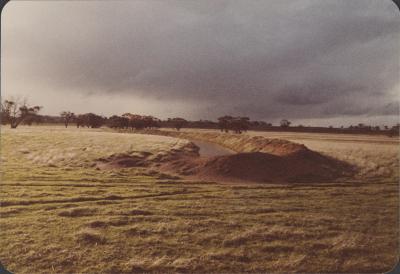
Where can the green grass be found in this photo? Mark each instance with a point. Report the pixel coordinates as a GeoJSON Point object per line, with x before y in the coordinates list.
{"type": "Point", "coordinates": [77, 219]}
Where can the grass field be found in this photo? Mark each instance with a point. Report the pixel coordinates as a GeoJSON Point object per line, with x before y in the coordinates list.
{"type": "Point", "coordinates": [61, 214]}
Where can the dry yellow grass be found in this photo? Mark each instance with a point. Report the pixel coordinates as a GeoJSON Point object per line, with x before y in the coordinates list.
{"type": "Point", "coordinates": [71, 218]}
{"type": "Point", "coordinates": [375, 156]}
{"type": "Point", "coordinates": [57, 146]}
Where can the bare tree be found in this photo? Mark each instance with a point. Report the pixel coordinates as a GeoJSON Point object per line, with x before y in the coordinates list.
{"type": "Point", "coordinates": [15, 111]}
{"type": "Point", "coordinates": [67, 116]}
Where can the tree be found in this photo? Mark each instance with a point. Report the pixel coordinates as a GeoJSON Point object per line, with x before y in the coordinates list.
{"type": "Point", "coordinates": [67, 117]}
{"type": "Point", "coordinates": [239, 124]}
{"type": "Point", "coordinates": [16, 111]}
{"type": "Point", "coordinates": [135, 121]}
{"type": "Point", "coordinates": [118, 122]}
{"type": "Point", "coordinates": [178, 123]}
{"type": "Point", "coordinates": [151, 122]}
{"type": "Point", "coordinates": [89, 120]}
{"type": "Point", "coordinates": [285, 123]}
{"type": "Point", "coordinates": [236, 124]}
{"type": "Point", "coordinates": [361, 126]}
{"type": "Point", "coordinates": [94, 120]}
{"type": "Point", "coordinates": [224, 122]}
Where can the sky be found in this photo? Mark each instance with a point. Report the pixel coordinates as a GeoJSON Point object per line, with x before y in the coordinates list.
{"type": "Point", "coordinates": [313, 62]}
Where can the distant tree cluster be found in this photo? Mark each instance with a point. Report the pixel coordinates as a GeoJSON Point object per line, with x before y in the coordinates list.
{"type": "Point", "coordinates": [285, 123]}
{"type": "Point", "coordinates": [195, 124]}
{"type": "Point", "coordinates": [133, 121]}
{"type": "Point", "coordinates": [90, 120]}
{"type": "Point", "coordinates": [177, 123]}
{"type": "Point", "coordinates": [116, 121]}
{"type": "Point", "coordinates": [394, 131]}
{"type": "Point", "coordinates": [236, 124]}
{"type": "Point", "coordinates": [362, 128]}
{"type": "Point", "coordinates": [259, 125]}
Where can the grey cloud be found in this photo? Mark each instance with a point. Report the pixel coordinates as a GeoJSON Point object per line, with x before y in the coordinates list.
{"type": "Point", "coordinates": [388, 109]}
{"type": "Point", "coordinates": [302, 59]}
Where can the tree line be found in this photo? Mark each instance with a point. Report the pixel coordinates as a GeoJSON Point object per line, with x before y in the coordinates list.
{"type": "Point", "coordinates": [16, 112]}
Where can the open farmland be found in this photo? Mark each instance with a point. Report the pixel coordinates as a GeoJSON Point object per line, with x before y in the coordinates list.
{"type": "Point", "coordinates": [63, 211]}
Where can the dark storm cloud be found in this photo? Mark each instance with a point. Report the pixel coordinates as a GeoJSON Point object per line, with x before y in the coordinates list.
{"type": "Point", "coordinates": [265, 59]}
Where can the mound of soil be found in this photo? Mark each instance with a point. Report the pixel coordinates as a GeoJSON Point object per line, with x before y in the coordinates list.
{"type": "Point", "coordinates": [260, 160]}
{"type": "Point", "coordinates": [302, 166]}
{"type": "Point", "coordinates": [146, 159]}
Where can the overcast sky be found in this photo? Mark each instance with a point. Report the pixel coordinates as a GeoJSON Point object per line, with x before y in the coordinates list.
{"type": "Point", "coordinates": [310, 61]}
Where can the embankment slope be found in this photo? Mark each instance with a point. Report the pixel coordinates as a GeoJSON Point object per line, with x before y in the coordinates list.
{"type": "Point", "coordinates": [258, 159]}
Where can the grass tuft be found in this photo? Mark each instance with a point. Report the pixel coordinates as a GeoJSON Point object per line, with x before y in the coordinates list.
{"type": "Point", "coordinates": [90, 236]}
{"type": "Point", "coordinates": [77, 212]}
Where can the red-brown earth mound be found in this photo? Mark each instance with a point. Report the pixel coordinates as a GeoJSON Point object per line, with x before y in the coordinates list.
{"type": "Point", "coordinates": [285, 162]}
{"type": "Point", "coordinates": [304, 166]}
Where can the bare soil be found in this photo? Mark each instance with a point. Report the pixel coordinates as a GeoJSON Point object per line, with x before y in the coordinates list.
{"type": "Point", "coordinates": [289, 162]}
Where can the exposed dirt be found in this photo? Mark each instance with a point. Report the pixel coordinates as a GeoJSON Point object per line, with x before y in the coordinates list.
{"type": "Point", "coordinates": [306, 166]}
{"type": "Point", "coordinates": [145, 159]}
{"type": "Point", "coordinates": [287, 162]}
